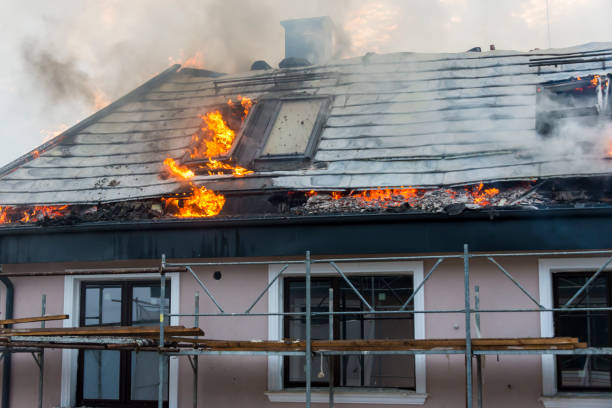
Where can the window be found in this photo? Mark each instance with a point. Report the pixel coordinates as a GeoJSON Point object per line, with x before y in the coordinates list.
{"type": "Point", "coordinates": [575, 372]}
{"type": "Point", "coordinates": [119, 378]}
{"type": "Point", "coordinates": [282, 133]}
{"type": "Point", "coordinates": [292, 130]}
{"type": "Point", "coordinates": [383, 292]}
{"type": "Point", "coordinates": [576, 100]}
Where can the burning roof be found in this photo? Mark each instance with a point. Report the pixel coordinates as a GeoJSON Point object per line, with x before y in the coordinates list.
{"type": "Point", "coordinates": [433, 122]}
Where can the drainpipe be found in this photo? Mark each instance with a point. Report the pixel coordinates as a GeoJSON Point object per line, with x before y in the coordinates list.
{"type": "Point", "coordinates": [6, 367]}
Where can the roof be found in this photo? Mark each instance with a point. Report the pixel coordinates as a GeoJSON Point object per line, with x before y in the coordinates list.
{"type": "Point", "coordinates": [404, 119]}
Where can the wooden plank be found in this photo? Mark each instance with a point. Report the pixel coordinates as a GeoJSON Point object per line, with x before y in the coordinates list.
{"type": "Point", "coordinates": [34, 319]}
{"type": "Point", "coordinates": [105, 271]}
{"type": "Point", "coordinates": [120, 331]}
{"type": "Point", "coordinates": [407, 344]}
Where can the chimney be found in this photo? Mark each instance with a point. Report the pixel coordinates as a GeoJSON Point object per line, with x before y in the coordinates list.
{"type": "Point", "coordinates": [309, 38]}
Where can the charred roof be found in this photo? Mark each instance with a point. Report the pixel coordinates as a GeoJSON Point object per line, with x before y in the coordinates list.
{"type": "Point", "coordinates": [406, 119]}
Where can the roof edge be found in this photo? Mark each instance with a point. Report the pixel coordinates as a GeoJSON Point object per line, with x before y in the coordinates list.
{"type": "Point", "coordinates": [32, 154]}
{"type": "Point", "coordinates": [202, 224]}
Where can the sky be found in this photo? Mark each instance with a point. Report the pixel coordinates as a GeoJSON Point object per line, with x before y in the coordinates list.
{"type": "Point", "coordinates": [64, 59]}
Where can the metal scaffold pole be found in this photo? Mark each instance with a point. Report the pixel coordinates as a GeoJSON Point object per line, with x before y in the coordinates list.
{"type": "Point", "coordinates": [308, 367]}
{"type": "Point", "coordinates": [330, 358]}
{"type": "Point", "coordinates": [468, 334]}
{"type": "Point", "coordinates": [162, 297]}
{"type": "Point", "coordinates": [41, 356]}
{"type": "Point", "coordinates": [479, 335]}
{"type": "Point", "coordinates": [195, 358]}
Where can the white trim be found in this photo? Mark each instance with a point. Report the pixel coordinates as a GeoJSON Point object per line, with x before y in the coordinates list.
{"type": "Point", "coordinates": [72, 286]}
{"type": "Point", "coordinates": [546, 268]}
{"type": "Point", "coordinates": [352, 397]}
{"type": "Point", "coordinates": [570, 401]}
{"type": "Point", "coordinates": [275, 295]}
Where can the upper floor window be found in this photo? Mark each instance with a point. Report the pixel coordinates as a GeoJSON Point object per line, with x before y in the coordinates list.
{"type": "Point", "coordinates": [584, 372]}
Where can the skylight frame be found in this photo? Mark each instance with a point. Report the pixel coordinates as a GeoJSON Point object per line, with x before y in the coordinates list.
{"type": "Point", "coordinates": [313, 138]}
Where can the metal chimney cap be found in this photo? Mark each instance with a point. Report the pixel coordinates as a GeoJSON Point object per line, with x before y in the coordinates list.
{"type": "Point", "coordinates": [322, 21]}
{"type": "Point", "coordinates": [260, 65]}
{"type": "Point", "coordinates": [294, 62]}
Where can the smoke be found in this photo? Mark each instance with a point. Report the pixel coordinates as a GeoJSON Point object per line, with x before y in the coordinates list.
{"type": "Point", "coordinates": [573, 124]}
{"type": "Point", "coordinates": [64, 55]}
{"type": "Point", "coordinates": [58, 78]}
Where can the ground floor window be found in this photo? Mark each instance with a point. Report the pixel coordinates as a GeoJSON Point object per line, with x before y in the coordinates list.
{"type": "Point", "coordinates": [591, 372]}
{"type": "Point", "coordinates": [383, 293]}
{"type": "Point", "coordinates": [120, 378]}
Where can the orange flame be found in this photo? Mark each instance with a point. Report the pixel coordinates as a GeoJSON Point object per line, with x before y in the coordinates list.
{"type": "Point", "coordinates": [218, 165]}
{"type": "Point", "coordinates": [195, 61]}
{"type": "Point", "coordinates": [480, 196]}
{"type": "Point", "coordinates": [178, 171]}
{"type": "Point", "coordinates": [595, 80]}
{"type": "Point", "coordinates": [10, 215]}
{"type": "Point", "coordinates": [386, 194]}
{"type": "Point", "coordinates": [201, 203]}
{"type": "Point", "coordinates": [100, 99]}
{"type": "Point", "coordinates": [50, 134]}
{"type": "Point", "coordinates": [389, 197]}
{"type": "Point", "coordinates": [222, 140]}
{"type": "Point", "coordinates": [246, 103]}
{"type": "Point", "coordinates": [216, 139]}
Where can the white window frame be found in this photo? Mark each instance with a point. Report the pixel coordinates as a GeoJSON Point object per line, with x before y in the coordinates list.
{"type": "Point", "coordinates": [345, 395]}
{"type": "Point", "coordinates": [551, 397]}
{"type": "Point", "coordinates": [72, 290]}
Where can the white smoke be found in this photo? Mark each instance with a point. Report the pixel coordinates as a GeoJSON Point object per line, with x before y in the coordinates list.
{"type": "Point", "coordinates": [109, 47]}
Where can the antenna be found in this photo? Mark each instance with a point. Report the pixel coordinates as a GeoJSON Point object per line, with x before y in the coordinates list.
{"type": "Point", "coordinates": [548, 22]}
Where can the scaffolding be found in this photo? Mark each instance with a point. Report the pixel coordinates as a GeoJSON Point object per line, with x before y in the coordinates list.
{"type": "Point", "coordinates": [472, 348]}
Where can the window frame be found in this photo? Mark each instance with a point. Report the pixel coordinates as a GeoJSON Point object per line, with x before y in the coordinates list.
{"type": "Point", "coordinates": [125, 380]}
{"type": "Point", "coordinates": [551, 397]}
{"type": "Point", "coordinates": [255, 133]}
{"type": "Point", "coordinates": [335, 284]}
{"type": "Point", "coordinates": [276, 392]}
{"type": "Point", "coordinates": [555, 282]}
{"type": "Point", "coordinates": [72, 307]}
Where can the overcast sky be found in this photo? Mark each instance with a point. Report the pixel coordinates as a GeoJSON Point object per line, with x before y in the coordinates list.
{"type": "Point", "coordinates": [64, 58]}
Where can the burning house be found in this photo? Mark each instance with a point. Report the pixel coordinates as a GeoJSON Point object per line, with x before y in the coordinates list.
{"type": "Point", "coordinates": [439, 195]}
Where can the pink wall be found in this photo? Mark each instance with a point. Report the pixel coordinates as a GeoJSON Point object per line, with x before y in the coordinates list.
{"type": "Point", "coordinates": [511, 381]}
{"type": "Point", "coordinates": [226, 381]}
{"type": "Point", "coordinates": [240, 381]}
{"type": "Point", "coordinates": [24, 373]}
